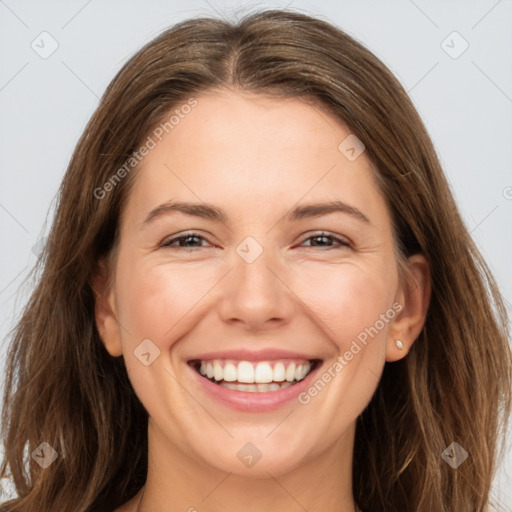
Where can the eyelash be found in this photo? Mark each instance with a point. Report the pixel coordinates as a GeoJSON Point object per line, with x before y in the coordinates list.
{"type": "Point", "coordinates": [342, 243]}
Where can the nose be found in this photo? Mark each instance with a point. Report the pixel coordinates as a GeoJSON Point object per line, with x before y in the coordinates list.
{"type": "Point", "coordinates": [255, 295]}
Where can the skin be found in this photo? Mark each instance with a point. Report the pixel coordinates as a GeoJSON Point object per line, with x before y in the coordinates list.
{"type": "Point", "coordinates": [255, 158]}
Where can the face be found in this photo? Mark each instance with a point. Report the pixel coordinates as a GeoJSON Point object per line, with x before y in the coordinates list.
{"type": "Point", "coordinates": [256, 296]}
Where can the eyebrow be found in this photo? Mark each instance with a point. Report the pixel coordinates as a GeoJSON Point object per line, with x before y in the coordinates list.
{"type": "Point", "coordinates": [208, 211]}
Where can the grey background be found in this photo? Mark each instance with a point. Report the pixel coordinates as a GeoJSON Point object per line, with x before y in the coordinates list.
{"type": "Point", "coordinates": [465, 102]}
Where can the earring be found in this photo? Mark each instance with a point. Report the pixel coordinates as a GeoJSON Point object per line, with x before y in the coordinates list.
{"type": "Point", "coordinates": [399, 344]}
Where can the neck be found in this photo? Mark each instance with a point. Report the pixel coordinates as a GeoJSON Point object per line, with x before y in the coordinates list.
{"type": "Point", "coordinates": [177, 481]}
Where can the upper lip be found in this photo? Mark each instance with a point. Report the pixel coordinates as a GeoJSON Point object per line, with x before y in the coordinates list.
{"type": "Point", "coordinates": [268, 354]}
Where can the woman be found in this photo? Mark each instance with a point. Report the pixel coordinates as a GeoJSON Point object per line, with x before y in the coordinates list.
{"type": "Point", "coordinates": [257, 294]}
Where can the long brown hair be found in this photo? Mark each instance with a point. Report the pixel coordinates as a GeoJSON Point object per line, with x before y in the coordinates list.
{"type": "Point", "coordinates": [63, 387]}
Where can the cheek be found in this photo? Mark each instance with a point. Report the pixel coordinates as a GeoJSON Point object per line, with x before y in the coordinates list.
{"type": "Point", "coordinates": [157, 303]}
{"type": "Point", "coordinates": [347, 301]}
{"type": "Point", "coordinates": [155, 300]}
{"type": "Point", "coordinates": [348, 298]}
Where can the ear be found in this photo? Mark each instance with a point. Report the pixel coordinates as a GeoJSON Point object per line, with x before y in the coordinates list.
{"type": "Point", "coordinates": [105, 310]}
{"type": "Point", "coordinates": [414, 297]}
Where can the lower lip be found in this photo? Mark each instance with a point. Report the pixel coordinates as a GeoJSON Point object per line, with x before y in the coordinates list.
{"type": "Point", "coordinates": [254, 402]}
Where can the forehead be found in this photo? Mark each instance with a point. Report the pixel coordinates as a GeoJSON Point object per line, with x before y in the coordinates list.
{"type": "Point", "coordinates": [254, 153]}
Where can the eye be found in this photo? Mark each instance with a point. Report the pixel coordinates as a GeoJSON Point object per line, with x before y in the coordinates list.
{"type": "Point", "coordinates": [187, 240]}
{"type": "Point", "coordinates": [326, 238]}
{"type": "Point", "coordinates": [193, 240]}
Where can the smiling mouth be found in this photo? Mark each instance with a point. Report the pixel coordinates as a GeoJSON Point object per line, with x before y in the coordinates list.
{"type": "Point", "coordinates": [253, 376]}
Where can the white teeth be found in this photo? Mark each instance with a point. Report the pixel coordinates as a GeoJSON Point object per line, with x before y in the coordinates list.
{"type": "Point", "coordinates": [279, 374]}
{"type": "Point", "coordinates": [218, 373]}
{"type": "Point", "coordinates": [230, 373]}
{"type": "Point", "coordinates": [256, 388]}
{"type": "Point", "coordinates": [263, 388]}
{"type": "Point", "coordinates": [290, 373]}
{"type": "Point", "coordinates": [245, 372]}
{"type": "Point", "coordinates": [261, 373]}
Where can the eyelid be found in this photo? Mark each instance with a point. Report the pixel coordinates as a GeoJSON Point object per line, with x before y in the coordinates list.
{"type": "Point", "coordinates": [340, 239]}
{"type": "Point", "coordinates": [168, 240]}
